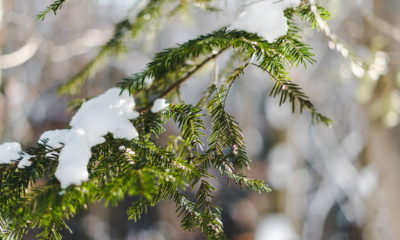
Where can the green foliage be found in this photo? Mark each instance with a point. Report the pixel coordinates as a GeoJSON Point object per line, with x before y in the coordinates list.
{"type": "Point", "coordinates": [54, 7]}
{"type": "Point", "coordinates": [211, 224]}
{"type": "Point", "coordinates": [179, 170]}
{"type": "Point", "coordinates": [272, 58]}
{"type": "Point", "coordinates": [306, 14]}
{"type": "Point", "coordinates": [189, 119]}
{"type": "Point", "coordinates": [226, 140]}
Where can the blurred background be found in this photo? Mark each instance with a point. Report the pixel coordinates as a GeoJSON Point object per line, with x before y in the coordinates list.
{"type": "Point", "coordinates": [338, 183]}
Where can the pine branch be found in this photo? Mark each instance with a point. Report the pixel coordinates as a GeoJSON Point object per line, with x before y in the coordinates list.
{"type": "Point", "coordinates": [251, 184]}
{"type": "Point", "coordinates": [138, 208]}
{"type": "Point", "coordinates": [189, 119]}
{"type": "Point", "coordinates": [305, 13]}
{"type": "Point", "coordinates": [15, 181]}
{"type": "Point", "coordinates": [54, 7]}
{"type": "Point", "coordinates": [150, 124]}
{"type": "Point", "coordinates": [271, 57]}
{"type": "Point", "coordinates": [192, 219]}
{"type": "Point", "coordinates": [226, 141]}
{"type": "Point", "coordinates": [140, 167]}
{"type": "Point", "coordinates": [293, 49]}
{"type": "Point", "coordinates": [45, 207]}
{"type": "Point", "coordinates": [172, 59]}
{"type": "Point", "coordinates": [178, 83]}
{"type": "Point", "coordinates": [211, 224]}
{"type": "Point", "coordinates": [292, 92]}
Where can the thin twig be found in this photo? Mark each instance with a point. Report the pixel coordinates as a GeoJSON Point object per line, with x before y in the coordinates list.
{"type": "Point", "coordinates": [180, 81]}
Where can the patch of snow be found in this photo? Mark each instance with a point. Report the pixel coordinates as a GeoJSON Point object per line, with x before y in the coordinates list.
{"type": "Point", "coordinates": [54, 138]}
{"type": "Point", "coordinates": [122, 148]}
{"type": "Point", "coordinates": [109, 112]}
{"type": "Point", "coordinates": [275, 227]}
{"type": "Point", "coordinates": [159, 105]}
{"type": "Point", "coordinates": [24, 162]}
{"type": "Point", "coordinates": [266, 18]}
{"type": "Point", "coordinates": [9, 151]}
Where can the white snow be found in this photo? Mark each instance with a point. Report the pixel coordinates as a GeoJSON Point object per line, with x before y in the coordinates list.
{"type": "Point", "coordinates": [275, 227]}
{"type": "Point", "coordinates": [9, 151]}
{"type": "Point", "coordinates": [266, 18]}
{"type": "Point", "coordinates": [25, 161]}
{"type": "Point", "coordinates": [54, 138]}
{"type": "Point", "coordinates": [109, 112]}
{"type": "Point", "coordinates": [12, 151]}
{"type": "Point", "coordinates": [159, 105]}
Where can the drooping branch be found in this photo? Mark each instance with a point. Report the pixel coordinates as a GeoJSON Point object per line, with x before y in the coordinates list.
{"type": "Point", "coordinates": [54, 7]}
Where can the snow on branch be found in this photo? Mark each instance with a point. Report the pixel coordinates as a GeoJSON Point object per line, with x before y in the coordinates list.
{"type": "Point", "coordinates": [275, 23]}
{"type": "Point", "coordinates": [109, 112]}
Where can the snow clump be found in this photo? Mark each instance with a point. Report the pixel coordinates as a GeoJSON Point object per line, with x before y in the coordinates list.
{"type": "Point", "coordinates": [109, 112]}
{"type": "Point", "coordinates": [24, 162]}
{"type": "Point", "coordinates": [159, 105]}
{"type": "Point", "coordinates": [266, 18]}
{"type": "Point", "coordinates": [9, 151]}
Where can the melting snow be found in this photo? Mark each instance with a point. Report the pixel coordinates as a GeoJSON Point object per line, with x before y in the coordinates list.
{"type": "Point", "coordinates": [12, 151]}
{"type": "Point", "coordinates": [109, 112]}
{"type": "Point", "coordinates": [25, 161]}
{"type": "Point", "coordinates": [159, 105]}
{"type": "Point", "coordinates": [54, 138]}
{"type": "Point", "coordinates": [9, 151]}
{"type": "Point", "coordinates": [266, 18]}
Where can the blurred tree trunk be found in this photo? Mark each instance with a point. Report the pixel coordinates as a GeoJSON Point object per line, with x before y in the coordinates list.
{"type": "Point", "coordinates": [383, 147]}
{"type": "Point", "coordinates": [383, 152]}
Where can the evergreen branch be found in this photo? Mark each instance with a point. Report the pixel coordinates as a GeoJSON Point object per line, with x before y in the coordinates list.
{"type": "Point", "coordinates": [211, 224]}
{"type": "Point", "coordinates": [226, 138]}
{"type": "Point", "coordinates": [292, 92]}
{"type": "Point", "coordinates": [294, 50]}
{"type": "Point", "coordinates": [192, 219]}
{"type": "Point", "coordinates": [272, 58]}
{"type": "Point", "coordinates": [251, 184]}
{"type": "Point", "coordinates": [150, 125]}
{"type": "Point", "coordinates": [138, 208]}
{"type": "Point", "coordinates": [233, 77]}
{"type": "Point", "coordinates": [46, 208]}
{"type": "Point", "coordinates": [172, 59]}
{"type": "Point", "coordinates": [208, 93]}
{"type": "Point", "coordinates": [54, 7]}
{"type": "Point", "coordinates": [10, 231]}
{"type": "Point", "coordinates": [189, 119]}
{"type": "Point", "coordinates": [15, 181]}
{"type": "Point", "coordinates": [139, 167]}
{"type": "Point", "coordinates": [212, 88]}
{"type": "Point", "coordinates": [189, 74]}
{"type": "Point", "coordinates": [178, 83]}
{"type": "Point", "coordinates": [306, 13]}
{"type": "Point", "coordinates": [317, 16]}
{"type": "Point", "coordinates": [225, 167]}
